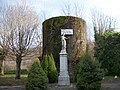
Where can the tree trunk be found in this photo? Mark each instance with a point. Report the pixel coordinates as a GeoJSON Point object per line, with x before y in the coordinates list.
{"type": "Point", "coordinates": [1, 67]}
{"type": "Point", "coordinates": [95, 36]}
{"type": "Point", "coordinates": [18, 66]}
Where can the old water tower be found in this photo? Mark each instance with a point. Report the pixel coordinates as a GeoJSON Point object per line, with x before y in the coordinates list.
{"type": "Point", "coordinates": [76, 44]}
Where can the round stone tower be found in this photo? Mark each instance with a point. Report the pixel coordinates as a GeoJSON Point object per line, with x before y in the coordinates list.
{"type": "Point", "coordinates": [76, 43]}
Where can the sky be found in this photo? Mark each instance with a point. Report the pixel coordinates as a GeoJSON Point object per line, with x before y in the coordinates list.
{"type": "Point", "coordinates": [53, 8]}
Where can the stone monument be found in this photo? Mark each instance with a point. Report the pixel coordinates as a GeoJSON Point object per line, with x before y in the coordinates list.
{"type": "Point", "coordinates": [64, 76]}
{"type": "Point", "coordinates": [63, 39]}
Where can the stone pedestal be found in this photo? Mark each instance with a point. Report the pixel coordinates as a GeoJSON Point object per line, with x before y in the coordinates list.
{"type": "Point", "coordinates": [63, 76]}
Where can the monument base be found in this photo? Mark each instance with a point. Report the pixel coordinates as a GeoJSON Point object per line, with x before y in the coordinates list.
{"type": "Point", "coordinates": [64, 76]}
{"type": "Point", "coordinates": [63, 80]}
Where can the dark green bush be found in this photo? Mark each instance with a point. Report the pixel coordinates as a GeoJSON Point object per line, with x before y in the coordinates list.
{"type": "Point", "coordinates": [110, 57]}
{"type": "Point", "coordinates": [37, 79]}
{"type": "Point", "coordinates": [89, 74]}
{"type": "Point", "coordinates": [23, 71]}
{"type": "Point", "coordinates": [49, 67]}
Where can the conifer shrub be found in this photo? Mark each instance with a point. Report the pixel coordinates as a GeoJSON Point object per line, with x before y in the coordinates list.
{"type": "Point", "coordinates": [45, 64]}
{"type": "Point", "coordinates": [37, 79]}
{"type": "Point", "coordinates": [89, 74]}
{"type": "Point", "coordinates": [49, 67]}
{"type": "Point", "coordinates": [52, 73]}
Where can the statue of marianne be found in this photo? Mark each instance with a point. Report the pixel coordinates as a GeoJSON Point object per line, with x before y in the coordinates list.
{"type": "Point", "coordinates": [63, 41]}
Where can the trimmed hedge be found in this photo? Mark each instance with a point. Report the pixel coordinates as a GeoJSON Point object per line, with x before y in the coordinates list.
{"type": "Point", "coordinates": [37, 79]}
{"type": "Point", "coordinates": [89, 74]}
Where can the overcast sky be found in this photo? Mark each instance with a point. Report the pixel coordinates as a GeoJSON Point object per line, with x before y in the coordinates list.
{"type": "Point", "coordinates": [54, 8]}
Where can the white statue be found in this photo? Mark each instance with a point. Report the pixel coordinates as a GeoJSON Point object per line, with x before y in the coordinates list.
{"type": "Point", "coordinates": [63, 42]}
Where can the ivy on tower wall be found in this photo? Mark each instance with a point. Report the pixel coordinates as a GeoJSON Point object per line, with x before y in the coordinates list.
{"type": "Point", "coordinates": [76, 44]}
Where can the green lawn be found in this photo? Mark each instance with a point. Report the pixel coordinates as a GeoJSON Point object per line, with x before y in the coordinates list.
{"type": "Point", "coordinates": [12, 75]}
{"type": "Point", "coordinates": [109, 77]}
{"type": "Point", "coordinates": [9, 80]}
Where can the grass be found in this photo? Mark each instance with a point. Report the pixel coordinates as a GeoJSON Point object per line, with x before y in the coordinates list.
{"type": "Point", "coordinates": [12, 75]}
{"type": "Point", "coordinates": [9, 80]}
{"type": "Point", "coordinates": [109, 77]}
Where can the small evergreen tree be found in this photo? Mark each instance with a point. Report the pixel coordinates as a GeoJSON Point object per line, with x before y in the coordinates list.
{"type": "Point", "coordinates": [37, 79]}
{"type": "Point", "coordinates": [49, 67]}
{"type": "Point", "coordinates": [52, 73]}
{"type": "Point", "coordinates": [89, 74]}
{"type": "Point", "coordinates": [45, 64]}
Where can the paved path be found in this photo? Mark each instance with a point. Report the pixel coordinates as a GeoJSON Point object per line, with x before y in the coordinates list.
{"type": "Point", "coordinates": [12, 88]}
{"type": "Point", "coordinates": [111, 86]}
{"type": "Point", "coordinates": [105, 86]}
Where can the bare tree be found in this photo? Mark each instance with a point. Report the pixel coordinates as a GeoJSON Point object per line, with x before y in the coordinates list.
{"type": "Point", "coordinates": [101, 23]}
{"type": "Point", "coordinates": [79, 10]}
{"type": "Point", "coordinates": [67, 9]}
{"type": "Point", "coordinates": [3, 45]}
{"type": "Point", "coordinates": [38, 43]}
{"type": "Point", "coordinates": [73, 9]}
{"type": "Point", "coordinates": [19, 24]}
{"type": "Point", "coordinates": [3, 52]}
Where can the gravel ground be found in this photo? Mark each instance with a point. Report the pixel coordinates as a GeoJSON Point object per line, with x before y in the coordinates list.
{"type": "Point", "coordinates": [111, 84]}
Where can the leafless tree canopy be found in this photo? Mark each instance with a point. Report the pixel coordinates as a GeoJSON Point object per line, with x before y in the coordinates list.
{"type": "Point", "coordinates": [18, 26]}
{"type": "Point", "coordinates": [101, 21]}
{"type": "Point", "coordinates": [67, 9]}
{"type": "Point", "coordinates": [75, 10]}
